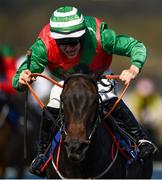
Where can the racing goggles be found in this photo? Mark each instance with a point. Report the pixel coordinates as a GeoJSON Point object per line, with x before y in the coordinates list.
{"type": "Point", "coordinates": [68, 41]}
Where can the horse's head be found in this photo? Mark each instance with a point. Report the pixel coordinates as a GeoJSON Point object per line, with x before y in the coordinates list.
{"type": "Point", "coordinates": [80, 105]}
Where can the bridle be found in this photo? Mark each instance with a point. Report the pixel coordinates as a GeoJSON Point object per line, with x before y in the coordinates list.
{"type": "Point", "coordinates": [61, 118]}
{"type": "Point", "coordinates": [53, 81]}
{"type": "Point", "coordinates": [61, 112]}
{"type": "Point", "coordinates": [97, 117]}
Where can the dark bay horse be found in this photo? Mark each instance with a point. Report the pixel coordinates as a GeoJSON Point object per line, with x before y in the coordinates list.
{"type": "Point", "coordinates": [86, 149]}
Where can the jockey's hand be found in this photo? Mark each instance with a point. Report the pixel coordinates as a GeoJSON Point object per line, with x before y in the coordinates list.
{"type": "Point", "coordinates": [128, 74]}
{"type": "Point", "coordinates": [25, 76]}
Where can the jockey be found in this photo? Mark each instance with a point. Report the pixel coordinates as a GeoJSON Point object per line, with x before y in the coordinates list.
{"type": "Point", "coordinates": [69, 40]}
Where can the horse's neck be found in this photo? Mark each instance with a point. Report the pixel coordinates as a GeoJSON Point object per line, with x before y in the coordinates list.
{"type": "Point", "coordinates": [99, 153]}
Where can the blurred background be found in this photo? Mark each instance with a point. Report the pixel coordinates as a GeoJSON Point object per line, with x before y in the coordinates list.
{"type": "Point", "coordinates": [21, 21]}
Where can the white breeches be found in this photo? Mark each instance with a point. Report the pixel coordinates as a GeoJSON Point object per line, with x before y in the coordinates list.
{"type": "Point", "coordinates": [54, 100]}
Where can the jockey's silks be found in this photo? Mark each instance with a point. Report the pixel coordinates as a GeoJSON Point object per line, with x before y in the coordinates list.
{"type": "Point", "coordinates": [97, 47]}
{"type": "Point", "coordinates": [91, 54]}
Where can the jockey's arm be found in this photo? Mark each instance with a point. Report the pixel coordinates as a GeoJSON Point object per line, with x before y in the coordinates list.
{"type": "Point", "coordinates": [37, 65]}
{"type": "Point", "coordinates": [125, 46]}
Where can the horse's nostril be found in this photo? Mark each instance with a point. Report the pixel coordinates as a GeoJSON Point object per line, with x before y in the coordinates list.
{"type": "Point", "coordinates": [72, 145]}
{"type": "Point", "coordinates": [75, 145]}
{"type": "Point", "coordinates": [84, 146]}
{"type": "Point", "coordinates": [76, 150]}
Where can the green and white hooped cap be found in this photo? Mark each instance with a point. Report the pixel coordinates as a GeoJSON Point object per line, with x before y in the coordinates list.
{"type": "Point", "coordinates": [66, 22]}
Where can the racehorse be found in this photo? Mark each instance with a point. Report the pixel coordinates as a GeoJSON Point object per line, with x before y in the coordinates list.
{"type": "Point", "coordinates": [86, 149]}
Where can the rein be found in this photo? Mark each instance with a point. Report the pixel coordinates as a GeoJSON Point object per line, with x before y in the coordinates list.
{"type": "Point", "coordinates": [41, 104]}
{"type": "Point", "coordinates": [34, 93]}
{"type": "Point", "coordinates": [53, 81]}
{"type": "Point", "coordinates": [119, 98]}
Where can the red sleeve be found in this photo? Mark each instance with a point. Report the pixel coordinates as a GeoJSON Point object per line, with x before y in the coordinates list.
{"type": "Point", "coordinates": [9, 68]}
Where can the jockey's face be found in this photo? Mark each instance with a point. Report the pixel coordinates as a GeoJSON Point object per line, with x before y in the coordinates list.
{"type": "Point", "coordinates": [70, 47]}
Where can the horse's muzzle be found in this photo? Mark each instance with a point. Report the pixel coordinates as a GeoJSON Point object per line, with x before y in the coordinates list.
{"type": "Point", "coordinates": [76, 150]}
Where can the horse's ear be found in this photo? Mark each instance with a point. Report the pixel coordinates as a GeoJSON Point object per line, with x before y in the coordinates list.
{"type": "Point", "coordinates": [82, 68]}
{"type": "Point", "coordinates": [95, 76]}
{"type": "Point", "coordinates": [65, 75]}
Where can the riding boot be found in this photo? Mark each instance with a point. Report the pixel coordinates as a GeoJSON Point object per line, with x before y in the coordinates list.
{"type": "Point", "coordinates": [126, 120]}
{"type": "Point", "coordinates": [44, 141]}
